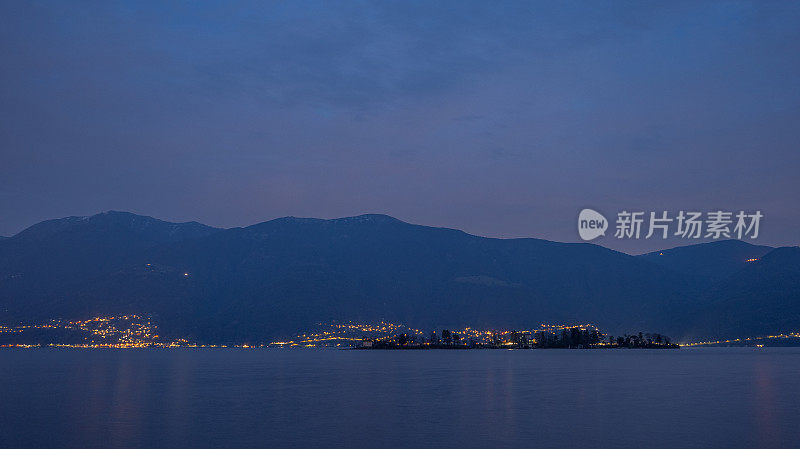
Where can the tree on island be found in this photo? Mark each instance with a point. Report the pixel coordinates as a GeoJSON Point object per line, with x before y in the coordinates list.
{"type": "Point", "coordinates": [565, 339]}
{"type": "Point", "coordinates": [572, 337]}
{"type": "Point", "coordinates": [446, 338]}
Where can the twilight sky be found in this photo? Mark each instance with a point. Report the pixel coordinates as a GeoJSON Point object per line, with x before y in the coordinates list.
{"type": "Point", "coordinates": [501, 119]}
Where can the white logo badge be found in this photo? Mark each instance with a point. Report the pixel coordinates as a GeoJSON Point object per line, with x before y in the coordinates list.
{"type": "Point", "coordinates": [591, 224]}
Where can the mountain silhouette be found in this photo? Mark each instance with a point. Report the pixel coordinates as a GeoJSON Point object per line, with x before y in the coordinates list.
{"type": "Point", "coordinates": [762, 298]}
{"type": "Point", "coordinates": [715, 260]}
{"type": "Point", "coordinates": [274, 278]}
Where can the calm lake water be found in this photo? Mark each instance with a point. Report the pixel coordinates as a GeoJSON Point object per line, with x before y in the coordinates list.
{"type": "Point", "coordinates": [714, 397]}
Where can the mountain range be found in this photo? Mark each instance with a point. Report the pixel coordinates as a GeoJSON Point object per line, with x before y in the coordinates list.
{"type": "Point", "coordinates": [275, 278]}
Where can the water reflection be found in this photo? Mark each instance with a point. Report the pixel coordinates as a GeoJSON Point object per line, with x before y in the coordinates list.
{"type": "Point", "coordinates": [765, 405]}
{"type": "Point", "coordinates": [282, 398]}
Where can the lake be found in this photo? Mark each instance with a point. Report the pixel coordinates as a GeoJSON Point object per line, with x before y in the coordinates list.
{"type": "Point", "coordinates": [707, 397]}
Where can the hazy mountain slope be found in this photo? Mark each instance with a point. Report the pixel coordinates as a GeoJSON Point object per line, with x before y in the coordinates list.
{"type": "Point", "coordinates": [55, 257]}
{"type": "Point", "coordinates": [716, 260]}
{"type": "Point", "coordinates": [278, 276]}
{"type": "Point", "coordinates": [273, 278]}
{"type": "Point", "coordinates": [761, 299]}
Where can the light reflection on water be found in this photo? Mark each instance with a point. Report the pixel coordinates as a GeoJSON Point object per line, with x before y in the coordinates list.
{"type": "Point", "coordinates": [710, 397]}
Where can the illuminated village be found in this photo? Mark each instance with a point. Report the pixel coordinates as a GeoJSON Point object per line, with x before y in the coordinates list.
{"type": "Point", "coordinates": [791, 338]}
{"type": "Point", "coordinates": [124, 331]}
{"type": "Point", "coordinates": [134, 331]}
{"type": "Point", "coordinates": [393, 336]}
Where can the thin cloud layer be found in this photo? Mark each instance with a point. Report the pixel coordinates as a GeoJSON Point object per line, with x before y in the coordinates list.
{"type": "Point", "coordinates": [500, 119]}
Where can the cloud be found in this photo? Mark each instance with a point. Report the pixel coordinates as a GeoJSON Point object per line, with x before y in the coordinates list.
{"type": "Point", "coordinates": [478, 115]}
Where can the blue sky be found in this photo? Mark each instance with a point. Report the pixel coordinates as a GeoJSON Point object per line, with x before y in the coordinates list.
{"type": "Point", "coordinates": [499, 118]}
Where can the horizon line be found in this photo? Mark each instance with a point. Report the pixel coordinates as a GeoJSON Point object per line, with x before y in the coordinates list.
{"type": "Point", "coordinates": [365, 215]}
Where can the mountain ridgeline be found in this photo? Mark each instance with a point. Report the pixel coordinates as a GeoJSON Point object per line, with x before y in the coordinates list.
{"type": "Point", "coordinates": [275, 278]}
